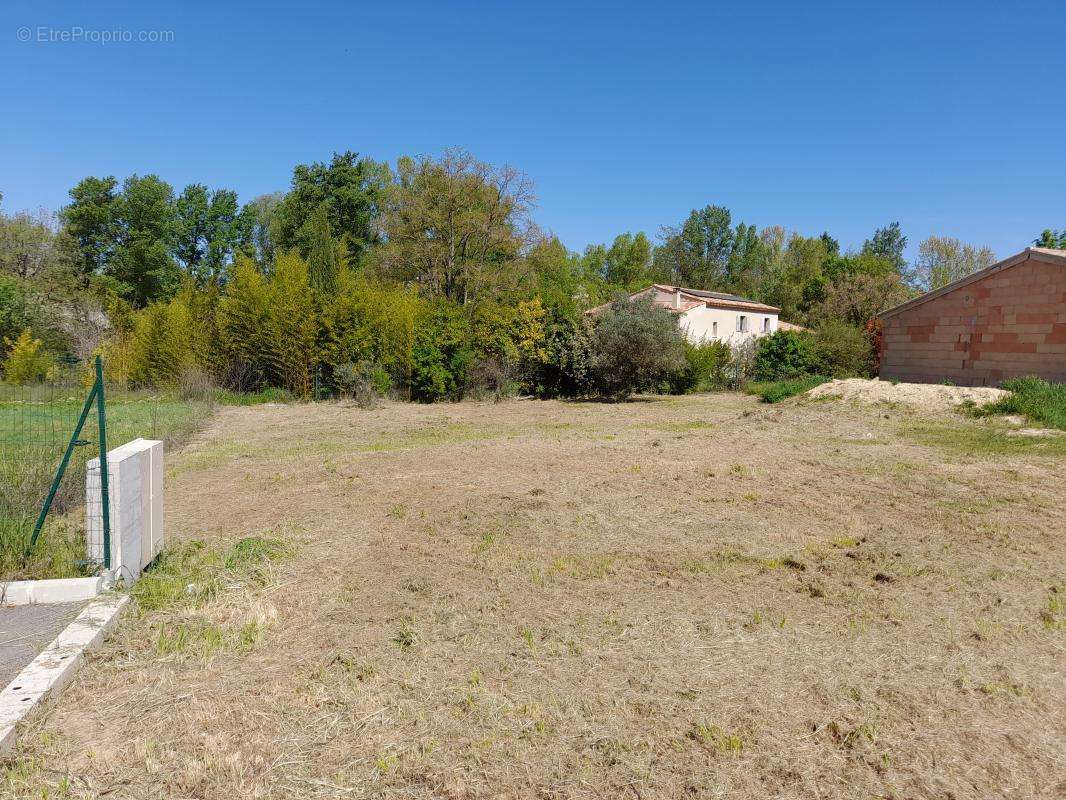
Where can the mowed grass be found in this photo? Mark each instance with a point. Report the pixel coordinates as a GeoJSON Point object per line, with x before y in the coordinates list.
{"type": "Point", "coordinates": [683, 597]}
{"type": "Point", "coordinates": [36, 424]}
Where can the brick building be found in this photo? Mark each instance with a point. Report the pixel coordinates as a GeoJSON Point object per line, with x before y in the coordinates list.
{"type": "Point", "coordinates": [1001, 322]}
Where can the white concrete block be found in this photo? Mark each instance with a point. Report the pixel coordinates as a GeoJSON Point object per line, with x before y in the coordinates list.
{"type": "Point", "coordinates": [135, 486]}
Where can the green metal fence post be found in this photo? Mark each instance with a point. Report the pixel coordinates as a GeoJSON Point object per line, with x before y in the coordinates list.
{"type": "Point", "coordinates": [62, 467]}
{"type": "Point", "coordinates": [105, 505]}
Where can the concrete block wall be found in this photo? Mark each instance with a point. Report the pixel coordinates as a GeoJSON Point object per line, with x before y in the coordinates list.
{"type": "Point", "coordinates": [1010, 323]}
{"type": "Point", "coordinates": [135, 487]}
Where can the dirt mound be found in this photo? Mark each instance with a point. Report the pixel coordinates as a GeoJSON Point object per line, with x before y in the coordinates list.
{"type": "Point", "coordinates": [925, 395]}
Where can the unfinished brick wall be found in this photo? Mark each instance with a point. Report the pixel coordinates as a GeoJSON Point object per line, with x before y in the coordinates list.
{"type": "Point", "coordinates": [1009, 323]}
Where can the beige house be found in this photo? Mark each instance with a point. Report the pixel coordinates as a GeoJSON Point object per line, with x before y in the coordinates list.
{"type": "Point", "coordinates": [711, 316]}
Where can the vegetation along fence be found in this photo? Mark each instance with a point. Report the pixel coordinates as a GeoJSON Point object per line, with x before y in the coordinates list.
{"type": "Point", "coordinates": [48, 433]}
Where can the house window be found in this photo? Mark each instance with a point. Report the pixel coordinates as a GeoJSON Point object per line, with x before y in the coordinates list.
{"type": "Point", "coordinates": [714, 329]}
{"type": "Point", "coordinates": [742, 323]}
{"type": "Point", "coordinates": [766, 325]}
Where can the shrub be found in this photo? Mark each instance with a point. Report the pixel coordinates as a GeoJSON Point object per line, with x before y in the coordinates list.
{"type": "Point", "coordinates": [842, 350]}
{"type": "Point", "coordinates": [636, 346]}
{"type": "Point", "coordinates": [27, 362]}
{"type": "Point", "coordinates": [742, 362]}
{"type": "Point", "coordinates": [366, 382]}
{"type": "Point", "coordinates": [509, 346]}
{"type": "Point", "coordinates": [783, 354]}
{"type": "Point", "coordinates": [1037, 399]}
{"type": "Point", "coordinates": [706, 368]}
{"type": "Point", "coordinates": [196, 383]}
{"type": "Point", "coordinates": [530, 339]}
{"type": "Point", "coordinates": [566, 370]}
{"type": "Point", "coordinates": [441, 354]}
{"type": "Point", "coordinates": [492, 376]}
{"type": "Point", "coordinates": [776, 391]}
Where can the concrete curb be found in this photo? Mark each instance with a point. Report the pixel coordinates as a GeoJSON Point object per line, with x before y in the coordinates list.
{"type": "Point", "coordinates": [57, 590]}
{"type": "Point", "coordinates": [55, 666]}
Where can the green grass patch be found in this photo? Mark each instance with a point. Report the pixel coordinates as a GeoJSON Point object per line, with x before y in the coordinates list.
{"type": "Point", "coordinates": [776, 391]}
{"type": "Point", "coordinates": [191, 574]}
{"type": "Point", "coordinates": [226, 397]}
{"type": "Point", "coordinates": [681, 427]}
{"type": "Point", "coordinates": [985, 440]}
{"type": "Point", "coordinates": [1039, 401]}
{"type": "Point", "coordinates": [60, 550]}
{"type": "Point", "coordinates": [36, 423]}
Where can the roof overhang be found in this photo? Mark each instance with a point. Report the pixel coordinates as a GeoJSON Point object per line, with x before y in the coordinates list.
{"type": "Point", "coordinates": [1036, 253]}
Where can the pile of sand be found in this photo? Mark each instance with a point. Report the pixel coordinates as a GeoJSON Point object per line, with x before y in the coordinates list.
{"type": "Point", "coordinates": [926, 395]}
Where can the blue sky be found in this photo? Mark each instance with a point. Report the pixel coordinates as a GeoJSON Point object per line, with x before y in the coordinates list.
{"type": "Point", "coordinates": [840, 116]}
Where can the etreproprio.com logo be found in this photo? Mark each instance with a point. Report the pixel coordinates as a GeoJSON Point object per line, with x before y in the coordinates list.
{"type": "Point", "coordinates": [77, 34]}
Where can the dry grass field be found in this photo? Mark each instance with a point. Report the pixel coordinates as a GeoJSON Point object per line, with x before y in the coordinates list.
{"type": "Point", "coordinates": [675, 597]}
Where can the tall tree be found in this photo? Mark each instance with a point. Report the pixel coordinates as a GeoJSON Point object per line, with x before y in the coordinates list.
{"type": "Point", "coordinates": [92, 220]}
{"type": "Point", "coordinates": [126, 236]}
{"type": "Point", "coordinates": [747, 263]}
{"type": "Point", "coordinates": [628, 261]}
{"type": "Point", "coordinates": [889, 243]}
{"type": "Point", "coordinates": [26, 244]}
{"type": "Point", "coordinates": [832, 246]}
{"type": "Point", "coordinates": [352, 190]}
{"type": "Point", "coordinates": [943, 259]}
{"type": "Point", "coordinates": [697, 253]}
{"type": "Point", "coordinates": [795, 277]}
{"type": "Point", "coordinates": [1055, 240]}
{"type": "Point", "coordinates": [141, 264]}
{"type": "Point", "coordinates": [208, 231]}
{"type": "Point", "coordinates": [560, 278]}
{"type": "Point", "coordinates": [456, 227]}
{"type": "Point", "coordinates": [259, 227]}
{"type": "Point", "coordinates": [326, 256]}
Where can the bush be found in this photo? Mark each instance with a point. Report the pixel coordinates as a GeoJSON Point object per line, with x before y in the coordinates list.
{"type": "Point", "coordinates": [365, 382]}
{"type": "Point", "coordinates": [706, 368]}
{"type": "Point", "coordinates": [783, 354]}
{"type": "Point", "coordinates": [441, 354]}
{"type": "Point", "coordinates": [509, 345]}
{"type": "Point", "coordinates": [566, 370]}
{"type": "Point", "coordinates": [842, 350]}
{"type": "Point", "coordinates": [492, 376]}
{"type": "Point", "coordinates": [637, 346]}
{"type": "Point", "coordinates": [776, 391]}
{"type": "Point", "coordinates": [1037, 399]}
{"type": "Point", "coordinates": [196, 383]}
{"type": "Point", "coordinates": [27, 362]}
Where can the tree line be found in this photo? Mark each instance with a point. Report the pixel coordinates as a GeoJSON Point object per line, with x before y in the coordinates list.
{"type": "Point", "coordinates": [428, 278]}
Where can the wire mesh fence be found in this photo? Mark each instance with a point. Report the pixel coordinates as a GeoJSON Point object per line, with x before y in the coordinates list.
{"type": "Point", "coordinates": [37, 422]}
{"type": "Point", "coordinates": [36, 425]}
